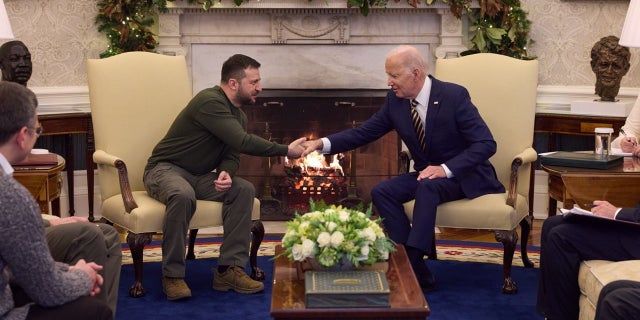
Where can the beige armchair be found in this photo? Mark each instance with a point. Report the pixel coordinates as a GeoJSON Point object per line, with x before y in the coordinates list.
{"type": "Point", "coordinates": [134, 98]}
{"type": "Point", "coordinates": [504, 90]}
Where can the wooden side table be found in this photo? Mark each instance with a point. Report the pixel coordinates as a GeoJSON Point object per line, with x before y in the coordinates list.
{"type": "Point", "coordinates": [68, 124]}
{"type": "Point", "coordinates": [619, 185]}
{"type": "Point", "coordinates": [44, 183]}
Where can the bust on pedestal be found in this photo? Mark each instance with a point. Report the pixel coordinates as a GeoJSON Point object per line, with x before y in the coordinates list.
{"type": "Point", "coordinates": [610, 62]}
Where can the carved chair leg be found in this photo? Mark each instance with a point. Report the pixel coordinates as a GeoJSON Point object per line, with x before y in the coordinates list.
{"type": "Point", "coordinates": [136, 245]}
{"type": "Point", "coordinates": [526, 225]}
{"type": "Point", "coordinates": [257, 232]}
{"type": "Point", "coordinates": [509, 238]}
{"type": "Point", "coordinates": [193, 233]}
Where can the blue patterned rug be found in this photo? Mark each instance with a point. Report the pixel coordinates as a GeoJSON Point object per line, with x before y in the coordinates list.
{"type": "Point", "coordinates": [465, 290]}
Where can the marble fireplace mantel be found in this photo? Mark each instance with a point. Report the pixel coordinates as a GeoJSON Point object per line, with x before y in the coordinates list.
{"type": "Point", "coordinates": [318, 44]}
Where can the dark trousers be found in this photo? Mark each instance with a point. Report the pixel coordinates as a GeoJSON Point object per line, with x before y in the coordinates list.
{"type": "Point", "coordinates": [565, 243]}
{"type": "Point", "coordinates": [179, 190]}
{"type": "Point", "coordinates": [388, 197]}
{"type": "Point", "coordinates": [80, 309]}
{"type": "Point", "coordinates": [619, 300]}
{"type": "Point", "coordinates": [93, 242]}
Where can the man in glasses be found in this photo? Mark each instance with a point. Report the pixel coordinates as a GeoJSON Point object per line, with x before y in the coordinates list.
{"type": "Point", "coordinates": [32, 284]}
{"type": "Point", "coordinates": [69, 238]}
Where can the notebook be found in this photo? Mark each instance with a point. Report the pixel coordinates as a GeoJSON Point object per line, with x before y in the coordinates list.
{"type": "Point", "coordinates": [579, 160]}
{"type": "Point", "coordinates": [39, 160]}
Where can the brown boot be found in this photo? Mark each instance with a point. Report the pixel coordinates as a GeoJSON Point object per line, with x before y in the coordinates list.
{"type": "Point", "coordinates": [235, 278]}
{"type": "Point", "coordinates": [175, 288]}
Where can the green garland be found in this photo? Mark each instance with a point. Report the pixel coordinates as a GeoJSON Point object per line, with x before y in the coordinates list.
{"type": "Point", "coordinates": [500, 26]}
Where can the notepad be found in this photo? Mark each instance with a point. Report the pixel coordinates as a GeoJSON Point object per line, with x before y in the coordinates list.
{"type": "Point", "coordinates": [578, 213]}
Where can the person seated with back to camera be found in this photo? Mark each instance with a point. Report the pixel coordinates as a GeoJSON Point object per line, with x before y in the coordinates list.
{"type": "Point", "coordinates": [565, 243]}
{"type": "Point", "coordinates": [70, 238]}
{"type": "Point", "coordinates": [32, 284]}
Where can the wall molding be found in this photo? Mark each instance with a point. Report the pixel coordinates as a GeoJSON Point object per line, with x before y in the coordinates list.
{"type": "Point", "coordinates": [550, 98]}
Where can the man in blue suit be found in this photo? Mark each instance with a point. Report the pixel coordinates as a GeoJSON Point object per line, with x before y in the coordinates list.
{"type": "Point", "coordinates": [451, 162]}
{"type": "Point", "coordinates": [566, 242]}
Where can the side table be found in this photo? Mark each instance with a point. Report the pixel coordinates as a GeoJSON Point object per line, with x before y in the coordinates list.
{"type": "Point", "coordinates": [44, 183]}
{"type": "Point", "coordinates": [619, 185]}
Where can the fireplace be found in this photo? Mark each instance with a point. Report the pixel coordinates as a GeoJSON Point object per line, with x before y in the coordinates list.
{"type": "Point", "coordinates": [286, 185]}
{"type": "Point", "coordinates": [323, 65]}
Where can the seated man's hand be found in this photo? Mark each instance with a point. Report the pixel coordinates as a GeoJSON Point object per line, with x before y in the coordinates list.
{"type": "Point", "coordinates": [296, 148]}
{"type": "Point", "coordinates": [627, 144]}
{"type": "Point", "coordinates": [223, 183]}
{"type": "Point", "coordinates": [604, 209]}
{"type": "Point", "coordinates": [432, 172]}
{"type": "Point", "coordinates": [311, 146]}
{"type": "Point", "coordinates": [91, 269]}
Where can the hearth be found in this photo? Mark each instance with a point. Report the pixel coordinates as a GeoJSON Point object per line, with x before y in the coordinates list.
{"type": "Point", "coordinates": [286, 185]}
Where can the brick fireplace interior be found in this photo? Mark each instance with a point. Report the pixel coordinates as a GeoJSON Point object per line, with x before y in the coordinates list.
{"type": "Point", "coordinates": [285, 115]}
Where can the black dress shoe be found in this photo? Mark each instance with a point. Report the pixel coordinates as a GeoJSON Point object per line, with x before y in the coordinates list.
{"type": "Point", "coordinates": [427, 284]}
{"type": "Point", "coordinates": [425, 278]}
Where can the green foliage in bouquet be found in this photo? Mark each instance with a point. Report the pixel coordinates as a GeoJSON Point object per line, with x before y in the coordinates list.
{"type": "Point", "coordinates": [331, 234]}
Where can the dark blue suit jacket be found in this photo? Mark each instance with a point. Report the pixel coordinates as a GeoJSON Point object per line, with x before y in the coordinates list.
{"type": "Point", "coordinates": [455, 135]}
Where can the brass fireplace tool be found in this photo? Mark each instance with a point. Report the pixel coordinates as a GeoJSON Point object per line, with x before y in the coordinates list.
{"type": "Point", "coordinates": [352, 200]}
{"type": "Point", "coordinates": [268, 204]}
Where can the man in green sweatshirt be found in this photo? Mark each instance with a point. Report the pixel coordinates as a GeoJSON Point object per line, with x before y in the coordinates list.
{"type": "Point", "coordinates": [197, 160]}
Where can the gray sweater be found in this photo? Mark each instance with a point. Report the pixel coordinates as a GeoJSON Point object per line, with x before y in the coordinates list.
{"type": "Point", "coordinates": [25, 258]}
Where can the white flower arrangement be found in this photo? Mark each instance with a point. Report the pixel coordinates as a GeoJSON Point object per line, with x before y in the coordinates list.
{"type": "Point", "coordinates": [334, 234]}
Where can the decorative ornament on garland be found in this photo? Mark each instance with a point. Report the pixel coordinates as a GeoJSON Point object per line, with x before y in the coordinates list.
{"type": "Point", "coordinates": [500, 26]}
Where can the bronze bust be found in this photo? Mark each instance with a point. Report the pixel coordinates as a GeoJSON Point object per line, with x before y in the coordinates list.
{"type": "Point", "coordinates": [610, 62]}
{"type": "Point", "coordinates": [15, 62]}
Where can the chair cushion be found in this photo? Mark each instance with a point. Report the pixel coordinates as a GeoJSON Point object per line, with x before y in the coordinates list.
{"type": "Point", "coordinates": [595, 274]}
{"type": "Point", "coordinates": [489, 212]}
{"type": "Point", "coordinates": [150, 214]}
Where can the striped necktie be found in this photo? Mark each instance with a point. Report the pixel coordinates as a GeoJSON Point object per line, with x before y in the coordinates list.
{"type": "Point", "coordinates": [417, 123]}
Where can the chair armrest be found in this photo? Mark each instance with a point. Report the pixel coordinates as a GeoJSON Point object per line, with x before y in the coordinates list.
{"type": "Point", "coordinates": [527, 156]}
{"type": "Point", "coordinates": [102, 158]}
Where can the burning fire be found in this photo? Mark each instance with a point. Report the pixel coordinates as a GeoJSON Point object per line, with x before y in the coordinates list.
{"type": "Point", "coordinates": [313, 172]}
{"type": "Point", "coordinates": [314, 164]}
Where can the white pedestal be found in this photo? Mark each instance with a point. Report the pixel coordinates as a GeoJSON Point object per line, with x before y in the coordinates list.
{"type": "Point", "coordinates": [601, 108]}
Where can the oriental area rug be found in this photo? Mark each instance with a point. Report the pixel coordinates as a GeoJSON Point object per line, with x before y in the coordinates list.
{"type": "Point", "coordinates": [468, 276]}
{"type": "Point", "coordinates": [447, 250]}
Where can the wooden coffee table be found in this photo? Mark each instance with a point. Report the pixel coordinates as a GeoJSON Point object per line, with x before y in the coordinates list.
{"type": "Point", "coordinates": [406, 298]}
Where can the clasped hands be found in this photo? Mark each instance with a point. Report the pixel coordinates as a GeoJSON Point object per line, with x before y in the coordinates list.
{"type": "Point", "coordinates": [302, 147]}
{"type": "Point", "coordinates": [91, 269]}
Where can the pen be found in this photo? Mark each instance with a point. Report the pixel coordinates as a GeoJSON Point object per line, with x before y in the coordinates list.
{"type": "Point", "coordinates": [627, 137]}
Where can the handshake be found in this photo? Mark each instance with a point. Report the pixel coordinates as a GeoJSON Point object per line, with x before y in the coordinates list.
{"type": "Point", "coordinates": [301, 147]}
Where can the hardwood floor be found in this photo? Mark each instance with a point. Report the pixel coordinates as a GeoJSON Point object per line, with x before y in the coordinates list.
{"type": "Point", "coordinates": [487, 236]}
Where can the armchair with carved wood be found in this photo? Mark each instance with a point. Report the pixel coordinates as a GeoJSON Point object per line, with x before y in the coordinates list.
{"type": "Point", "coordinates": [504, 91]}
{"type": "Point", "coordinates": [134, 98]}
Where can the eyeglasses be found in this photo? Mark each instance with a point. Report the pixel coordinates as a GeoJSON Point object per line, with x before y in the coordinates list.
{"type": "Point", "coordinates": [38, 130]}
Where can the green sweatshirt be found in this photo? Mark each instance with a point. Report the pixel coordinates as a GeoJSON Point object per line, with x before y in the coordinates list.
{"type": "Point", "coordinates": [210, 133]}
